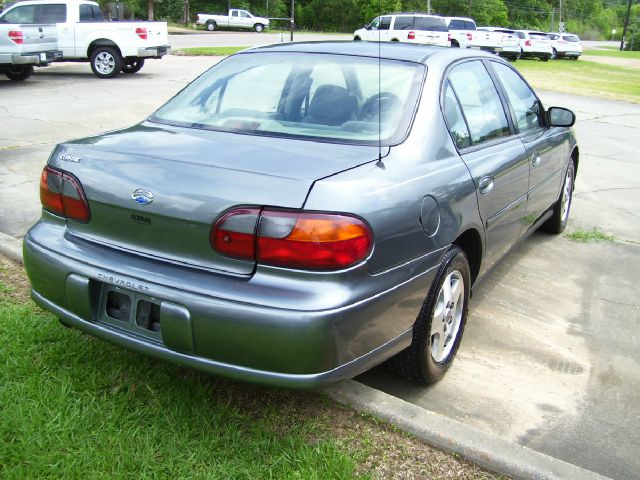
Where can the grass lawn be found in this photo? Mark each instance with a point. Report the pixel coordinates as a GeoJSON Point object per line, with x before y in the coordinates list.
{"type": "Point", "coordinates": [217, 51]}
{"type": "Point", "coordinates": [76, 407]}
{"type": "Point", "coordinates": [612, 53]}
{"type": "Point", "coordinates": [583, 78]}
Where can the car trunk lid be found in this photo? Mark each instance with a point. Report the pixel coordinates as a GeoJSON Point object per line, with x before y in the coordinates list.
{"type": "Point", "coordinates": [191, 177]}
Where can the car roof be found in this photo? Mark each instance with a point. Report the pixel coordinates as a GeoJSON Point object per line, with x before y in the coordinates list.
{"type": "Point", "coordinates": [388, 50]}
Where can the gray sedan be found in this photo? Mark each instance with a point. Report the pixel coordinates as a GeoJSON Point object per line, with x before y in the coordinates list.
{"type": "Point", "coordinates": [302, 212]}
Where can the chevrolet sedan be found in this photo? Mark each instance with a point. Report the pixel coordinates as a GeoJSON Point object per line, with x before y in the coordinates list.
{"type": "Point", "coordinates": [302, 212]}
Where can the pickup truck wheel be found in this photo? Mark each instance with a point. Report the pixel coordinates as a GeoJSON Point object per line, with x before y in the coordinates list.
{"type": "Point", "coordinates": [18, 72]}
{"type": "Point", "coordinates": [545, 59]}
{"type": "Point", "coordinates": [438, 329]}
{"type": "Point", "coordinates": [211, 25]}
{"type": "Point", "coordinates": [258, 27]}
{"type": "Point", "coordinates": [106, 62]}
{"type": "Point", "coordinates": [455, 44]}
{"type": "Point", "coordinates": [132, 65]}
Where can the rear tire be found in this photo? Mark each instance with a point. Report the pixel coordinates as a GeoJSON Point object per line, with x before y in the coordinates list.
{"type": "Point", "coordinates": [106, 62]}
{"type": "Point", "coordinates": [438, 329]}
{"type": "Point", "coordinates": [455, 44]}
{"type": "Point", "coordinates": [544, 59]}
{"type": "Point", "coordinates": [17, 73]}
{"type": "Point", "coordinates": [558, 221]}
{"type": "Point", "coordinates": [554, 54]}
{"type": "Point", "coordinates": [132, 65]}
{"type": "Point", "coordinates": [356, 39]}
{"type": "Point", "coordinates": [211, 25]}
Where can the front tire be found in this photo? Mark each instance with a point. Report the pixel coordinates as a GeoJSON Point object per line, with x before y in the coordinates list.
{"type": "Point", "coordinates": [106, 62]}
{"type": "Point", "coordinates": [258, 27]}
{"type": "Point", "coordinates": [356, 39]}
{"type": "Point", "coordinates": [438, 329]}
{"type": "Point", "coordinates": [132, 65]}
{"type": "Point", "coordinates": [558, 221]}
{"type": "Point", "coordinates": [17, 73]}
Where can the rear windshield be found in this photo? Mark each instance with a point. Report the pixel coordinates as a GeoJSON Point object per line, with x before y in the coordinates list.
{"type": "Point", "coordinates": [571, 38]}
{"type": "Point", "coordinates": [538, 36]}
{"type": "Point", "coordinates": [433, 24]}
{"type": "Point", "coordinates": [341, 98]}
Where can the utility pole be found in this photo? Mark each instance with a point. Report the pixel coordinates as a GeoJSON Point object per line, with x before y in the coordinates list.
{"type": "Point", "coordinates": [560, 14]}
{"type": "Point", "coordinates": [293, 9]}
{"type": "Point", "coordinates": [429, 6]}
{"type": "Point", "coordinates": [626, 24]}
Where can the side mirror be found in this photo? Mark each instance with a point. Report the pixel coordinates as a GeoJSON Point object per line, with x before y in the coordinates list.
{"type": "Point", "coordinates": [561, 117]}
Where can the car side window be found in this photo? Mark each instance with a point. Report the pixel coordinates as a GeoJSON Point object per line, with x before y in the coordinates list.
{"type": "Point", "coordinates": [54, 13]}
{"type": "Point", "coordinates": [523, 101]}
{"type": "Point", "coordinates": [385, 23]}
{"type": "Point", "coordinates": [479, 101]}
{"type": "Point", "coordinates": [403, 23]}
{"type": "Point", "coordinates": [454, 119]}
{"type": "Point", "coordinates": [234, 13]}
{"type": "Point", "coordinates": [86, 13]}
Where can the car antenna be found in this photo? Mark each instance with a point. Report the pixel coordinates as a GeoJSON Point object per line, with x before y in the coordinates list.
{"type": "Point", "coordinates": [379, 163]}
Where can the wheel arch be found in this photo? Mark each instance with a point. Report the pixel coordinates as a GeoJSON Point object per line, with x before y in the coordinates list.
{"type": "Point", "coordinates": [470, 242]}
{"type": "Point", "coordinates": [102, 42]}
{"type": "Point", "coordinates": [575, 157]}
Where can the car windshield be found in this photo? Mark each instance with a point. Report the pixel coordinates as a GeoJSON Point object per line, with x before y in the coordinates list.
{"type": "Point", "coordinates": [346, 99]}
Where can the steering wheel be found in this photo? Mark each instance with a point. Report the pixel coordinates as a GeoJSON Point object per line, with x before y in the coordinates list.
{"type": "Point", "coordinates": [388, 103]}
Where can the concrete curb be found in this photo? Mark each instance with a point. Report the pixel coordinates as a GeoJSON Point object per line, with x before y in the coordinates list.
{"type": "Point", "coordinates": [480, 447]}
{"type": "Point", "coordinates": [11, 247]}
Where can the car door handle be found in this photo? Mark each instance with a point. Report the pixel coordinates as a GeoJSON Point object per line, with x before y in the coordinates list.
{"type": "Point", "coordinates": [485, 185]}
{"type": "Point", "coordinates": [535, 161]}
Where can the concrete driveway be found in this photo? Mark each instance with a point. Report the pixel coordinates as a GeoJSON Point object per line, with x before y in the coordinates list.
{"type": "Point", "coordinates": [551, 355]}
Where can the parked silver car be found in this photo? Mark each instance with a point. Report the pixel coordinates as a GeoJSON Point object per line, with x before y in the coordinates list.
{"type": "Point", "coordinates": [302, 212]}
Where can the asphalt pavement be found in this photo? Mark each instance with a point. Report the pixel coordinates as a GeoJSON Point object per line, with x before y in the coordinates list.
{"type": "Point", "coordinates": [550, 359]}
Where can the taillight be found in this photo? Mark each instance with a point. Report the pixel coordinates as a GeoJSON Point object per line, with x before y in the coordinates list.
{"type": "Point", "coordinates": [62, 194]}
{"type": "Point", "coordinates": [411, 36]}
{"type": "Point", "coordinates": [449, 37]}
{"type": "Point", "coordinates": [292, 239]}
{"type": "Point", "coordinates": [469, 36]}
{"type": "Point", "coordinates": [16, 37]}
{"type": "Point", "coordinates": [528, 43]}
{"type": "Point", "coordinates": [142, 33]}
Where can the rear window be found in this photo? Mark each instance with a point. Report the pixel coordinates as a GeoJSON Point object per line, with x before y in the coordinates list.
{"type": "Point", "coordinates": [520, 35]}
{"type": "Point", "coordinates": [434, 24]}
{"type": "Point", "coordinates": [53, 13]}
{"type": "Point", "coordinates": [340, 98]}
{"type": "Point", "coordinates": [538, 36]}
{"type": "Point", "coordinates": [571, 38]}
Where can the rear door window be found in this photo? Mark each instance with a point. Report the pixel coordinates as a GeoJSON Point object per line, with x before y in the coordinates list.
{"type": "Point", "coordinates": [479, 101]}
{"type": "Point", "coordinates": [430, 24]}
{"type": "Point", "coordinates": [454, 119]}
{"type": "Point", "coordinates": [53, 13]}
{"type": "Point", "coordinates": [385, 23]}
{"type": "Point", "coordinates": [403, 23]}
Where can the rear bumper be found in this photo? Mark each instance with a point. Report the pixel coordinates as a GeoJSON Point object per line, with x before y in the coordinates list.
{"type": "Point", "coordinates": [32, 58]}
{"type": "Point", "coordinates": [154, 52]}
{"type": "Point", "coordinates": [294, 344]}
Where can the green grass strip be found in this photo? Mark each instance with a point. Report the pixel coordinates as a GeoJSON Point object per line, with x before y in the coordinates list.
{"type": "Point", "coordinates": [216, 51]}
{"type": "Point", "coordinates": [612, 53]}
{"type": "Point", "coordinates": [583, 78]}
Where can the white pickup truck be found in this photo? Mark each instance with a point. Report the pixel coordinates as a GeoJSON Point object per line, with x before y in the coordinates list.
{"type": "Point", "coordinates": [236, 19]}
{"type": "Point", "coordinates": [464, 34]}
{"type": "Point", "coordinates": [83, 34]}
{"type": "Point", "coordinates": [24, 46]}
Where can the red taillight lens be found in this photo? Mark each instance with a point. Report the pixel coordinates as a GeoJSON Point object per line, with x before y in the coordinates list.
{"type": "Point", "coordinates": [449, 37]}
{"type": "Point", "coordinates": [411, 36]}
{"type": "Point", "coordinates": [528, 43]}
{"type": "Point", "coordinates": [16, 37]}
{"type": "Point", "coordinates": [62, 194]}
{"type": "Point", "coordinates": [469, 36]}
{"type": "Point", "coordinates": [304, 240]}
{"type": "Point", "coordinates": [234, 234]}
{"type": "Point", "coordinates": [142, 33]}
